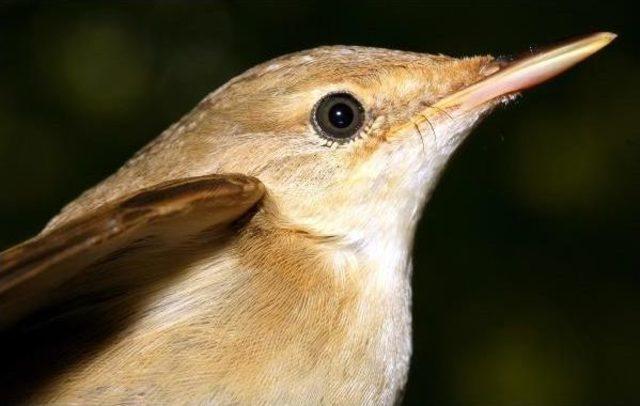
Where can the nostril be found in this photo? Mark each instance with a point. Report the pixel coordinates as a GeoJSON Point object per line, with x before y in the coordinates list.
{"type": "Point", "coordinates": [494, 66]}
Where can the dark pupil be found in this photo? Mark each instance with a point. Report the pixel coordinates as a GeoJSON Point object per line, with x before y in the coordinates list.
{"type": "Point", "coordinates": [340, 115]}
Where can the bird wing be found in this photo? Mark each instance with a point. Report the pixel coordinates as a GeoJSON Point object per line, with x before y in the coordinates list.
{"type": "Point", "coordinates": [173, 210]}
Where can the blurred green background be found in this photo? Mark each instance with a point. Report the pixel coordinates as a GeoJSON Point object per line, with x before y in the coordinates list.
{"type": "Point", "coordinates": [526, 284]}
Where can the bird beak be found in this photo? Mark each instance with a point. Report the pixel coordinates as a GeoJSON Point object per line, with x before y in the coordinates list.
{"type": "Point", "coordinates": [508, 78]}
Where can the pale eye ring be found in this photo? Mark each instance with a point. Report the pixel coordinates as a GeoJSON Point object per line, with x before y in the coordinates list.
{"type": "Point", "coordinates": [338, 116]}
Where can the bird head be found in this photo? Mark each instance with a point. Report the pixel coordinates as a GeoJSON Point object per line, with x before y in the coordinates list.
{"type": "Point", "coordinates": [349, 141]}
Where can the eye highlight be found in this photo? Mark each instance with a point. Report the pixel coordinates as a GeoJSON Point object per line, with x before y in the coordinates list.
{"type": "Point", "coordinates": [338, 116]}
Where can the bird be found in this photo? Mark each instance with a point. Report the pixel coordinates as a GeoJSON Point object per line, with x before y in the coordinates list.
{"type": "Point", "coordinates": [259, 250]}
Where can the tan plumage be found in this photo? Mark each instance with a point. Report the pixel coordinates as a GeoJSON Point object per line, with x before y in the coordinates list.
{"type": "Point", "coordinates": [288, 282]}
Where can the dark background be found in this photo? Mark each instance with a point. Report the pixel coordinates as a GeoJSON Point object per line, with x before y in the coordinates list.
{"type": "Point", "coordinates": [526, 284]}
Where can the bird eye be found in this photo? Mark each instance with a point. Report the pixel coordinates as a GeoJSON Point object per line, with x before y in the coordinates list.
{"type": "Point", "coordinates": [338, 116]}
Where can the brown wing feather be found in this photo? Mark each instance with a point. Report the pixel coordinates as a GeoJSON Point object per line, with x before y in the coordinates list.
{"type": "Point", "coordinates": [173, 209]}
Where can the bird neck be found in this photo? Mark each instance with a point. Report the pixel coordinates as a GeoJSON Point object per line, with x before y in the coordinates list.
{"type": "Point", "coordinates": [347, 304]}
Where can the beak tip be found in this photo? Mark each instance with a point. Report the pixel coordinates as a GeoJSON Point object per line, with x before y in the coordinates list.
{"type": "Point", "coordinates": [605, 37]}
{"type": "Point", "coordinates": [593, 43]}
{"type": "Point", "coordinates": [610, 36]}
